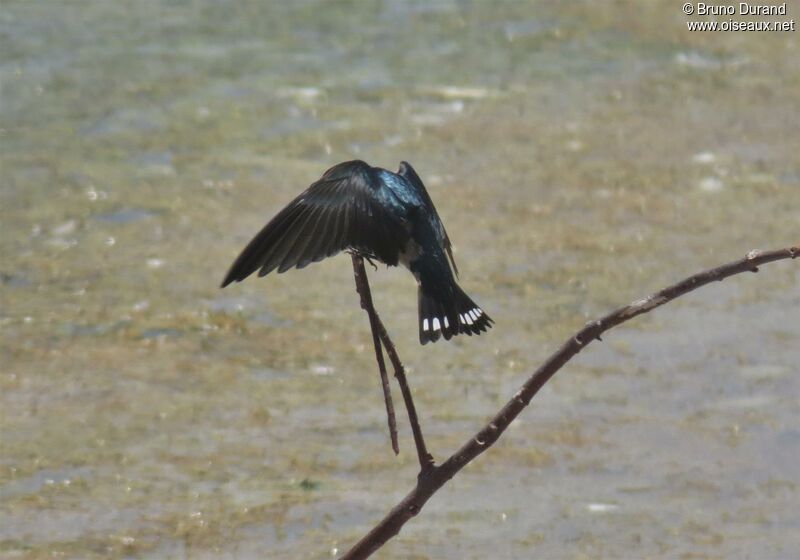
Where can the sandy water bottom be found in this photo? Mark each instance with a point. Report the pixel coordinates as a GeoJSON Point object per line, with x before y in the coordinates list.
{"type": "Point", "coordinates": [581, 157]}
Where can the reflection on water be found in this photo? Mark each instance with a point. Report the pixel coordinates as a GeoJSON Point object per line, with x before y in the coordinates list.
{"type": "Point", "coordinates": [581, 155]}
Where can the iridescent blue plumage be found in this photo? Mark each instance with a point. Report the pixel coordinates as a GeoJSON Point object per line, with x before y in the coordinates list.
{"type": "Point", "coordinates": [380, 215]}
{"type": "Point", "coordinates": [399, 193]}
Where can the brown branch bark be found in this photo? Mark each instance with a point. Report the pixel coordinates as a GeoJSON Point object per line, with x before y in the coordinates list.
{"type": "Point", "coordinates": [425, 458]}
{"type": "Point", "coordinates": [379, 335]}
{"type": "Point", "coordinates": [362, 287]}
{"type": "Point", "coordinates": [437, 476]}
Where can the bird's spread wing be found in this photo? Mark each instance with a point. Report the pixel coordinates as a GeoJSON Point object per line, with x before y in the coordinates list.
{"type": "Point", "coordinates": [340, 211]}
{"type": "Point", "coordinates": [408, 172]}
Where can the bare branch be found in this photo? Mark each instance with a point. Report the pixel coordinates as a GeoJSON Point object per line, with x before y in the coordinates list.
{"type": "Point", "coordinates": [362, 287]}
{"type": "Point", "coordinates": [436, 476]}
{"type": "Point", "coordinates": [425, 458]}
{"type": "Point", "coordinates": [379, 335]}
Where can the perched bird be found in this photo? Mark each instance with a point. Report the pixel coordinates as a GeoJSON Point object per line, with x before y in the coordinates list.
{"type": "Point", "coordinates": [380, 215]}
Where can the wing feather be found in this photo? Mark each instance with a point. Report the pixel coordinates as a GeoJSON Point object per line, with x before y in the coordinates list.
{"type": "Point", "coordinates": [341, 211]}
{"type": "Point", "coordinates": [306, 253]}
{"type": "Point", "coordinates": [302, 230]}
{"type": "Point", "coordinates": [318, 248]}
{"type": "Point", "coordinates": [258, 250]}
{"type": "Point", "coordinates": [282, 241]}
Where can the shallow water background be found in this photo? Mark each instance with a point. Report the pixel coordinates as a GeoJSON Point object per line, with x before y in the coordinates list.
{"type": "Point", "coordinates": [581, 155]}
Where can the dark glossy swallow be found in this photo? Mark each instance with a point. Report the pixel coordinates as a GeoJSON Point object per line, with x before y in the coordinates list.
{"type": "Point", "coordinates": [380, 215]}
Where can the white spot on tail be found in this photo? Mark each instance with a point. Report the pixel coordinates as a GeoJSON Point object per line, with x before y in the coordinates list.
{"type": "Point", "coordinates": [446, 323]}
{"type": "Point", "coordinates": [425, 324]}
{"type": "Point", "coordinates": [436, 323]}
{"type": "Point", "coordinates": [469, 319]}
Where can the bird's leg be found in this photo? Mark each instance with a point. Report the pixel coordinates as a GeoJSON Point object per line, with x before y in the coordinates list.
{"type": "Point", "coordinates": [362, 287]}
{"type": "Point", "coordinates": [381, 336]}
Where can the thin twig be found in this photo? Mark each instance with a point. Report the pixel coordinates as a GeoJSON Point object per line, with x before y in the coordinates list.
{"type": "Point", "coordinates": [379, 334]}
{"type": "Point", "coordinates": [425, 458]}
{"type": "Point", "coordinates": [362, 287]}
{"type": "Point", "coordinates": [438, 476]}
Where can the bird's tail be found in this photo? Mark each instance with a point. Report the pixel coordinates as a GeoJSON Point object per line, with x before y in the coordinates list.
{"type": "Point", "coordinates": [449, 316]}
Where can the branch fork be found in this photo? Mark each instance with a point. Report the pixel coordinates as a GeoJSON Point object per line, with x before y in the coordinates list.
{"type": "Point", "coordinates": [381, 340]}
